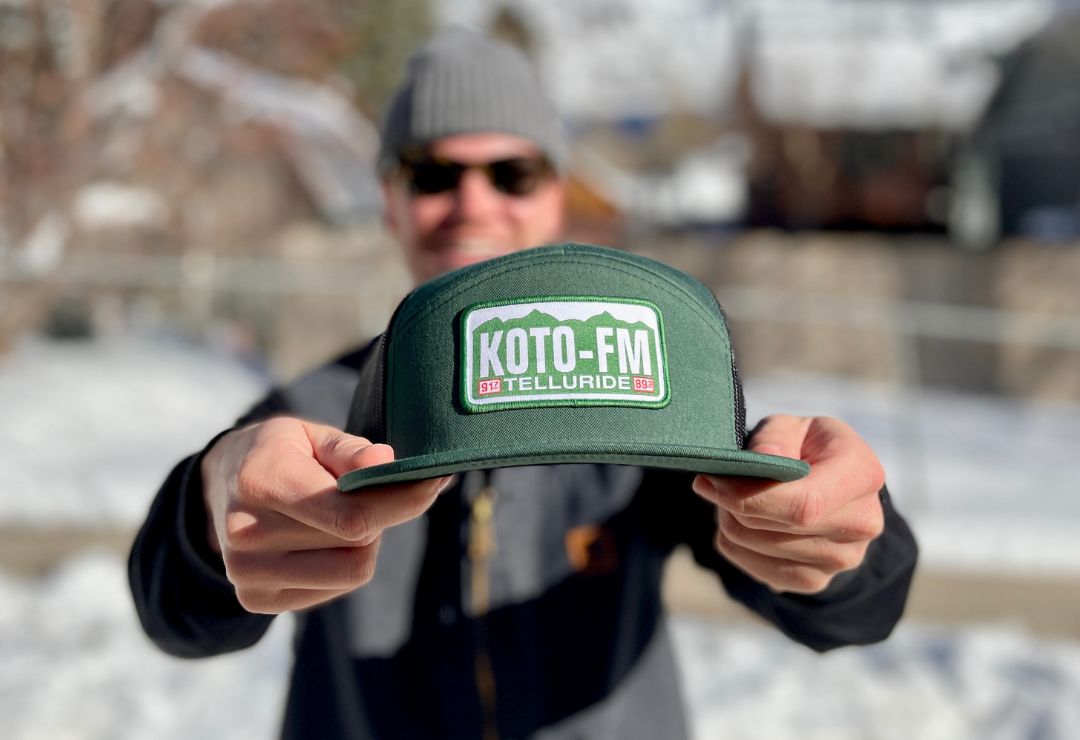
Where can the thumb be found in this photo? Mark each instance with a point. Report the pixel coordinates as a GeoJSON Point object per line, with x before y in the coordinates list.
{"type": "Point", "coordinates": [341, 453]}
{"type": "Point", "coordinates": [779, 435]}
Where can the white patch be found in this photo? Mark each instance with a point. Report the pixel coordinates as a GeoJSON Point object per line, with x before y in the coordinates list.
{"type": "Point", "coordinates": [554, 352]}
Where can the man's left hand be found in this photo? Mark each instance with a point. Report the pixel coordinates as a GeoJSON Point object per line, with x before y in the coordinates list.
{"type": "Point", "coordinates": [796, 536]}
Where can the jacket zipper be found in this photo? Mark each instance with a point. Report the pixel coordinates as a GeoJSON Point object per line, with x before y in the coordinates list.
{"type": "Point", "coordinates": [481, 547]}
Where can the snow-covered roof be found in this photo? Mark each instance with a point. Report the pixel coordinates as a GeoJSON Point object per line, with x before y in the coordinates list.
{"type": "Point", "coordinates": [642, 58]}
{"type": "Point", "coordinates": [826, 62]}
{"type": "Point", "coordinates": [331, 144]}
{"type": "Point", "coordinates": [884, 64]}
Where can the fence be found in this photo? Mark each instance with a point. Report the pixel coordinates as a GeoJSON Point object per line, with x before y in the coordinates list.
{"type": "Point", "coordinates": [309, 305]}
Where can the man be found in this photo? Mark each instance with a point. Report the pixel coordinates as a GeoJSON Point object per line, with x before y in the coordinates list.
{"type": "Point", "coordinates": [521, 602]}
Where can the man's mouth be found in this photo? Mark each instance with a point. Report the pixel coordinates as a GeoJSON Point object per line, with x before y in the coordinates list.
{"type": "Point", "coordinates": [468, 251]}
{"type": "Point", "coordinates": [476, 246]}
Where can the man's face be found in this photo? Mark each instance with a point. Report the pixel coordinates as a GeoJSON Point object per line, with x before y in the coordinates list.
{"type": "Point", "coordinates": [473, 221]}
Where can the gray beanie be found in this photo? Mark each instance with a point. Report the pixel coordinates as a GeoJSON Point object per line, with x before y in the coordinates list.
{"type": "Point", "coordinates": [463, 82]}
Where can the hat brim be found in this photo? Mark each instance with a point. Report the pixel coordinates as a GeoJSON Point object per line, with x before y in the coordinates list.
{"type": "Point", "coordinates": [691, 459]}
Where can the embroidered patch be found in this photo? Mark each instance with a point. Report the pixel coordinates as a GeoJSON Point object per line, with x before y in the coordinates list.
{"type": "Point", "coordinates": [563, 352]}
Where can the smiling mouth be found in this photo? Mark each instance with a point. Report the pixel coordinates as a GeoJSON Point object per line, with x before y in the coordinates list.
{"type": "Point", "coordinates": [471, 250]}
{"type": "Point", "coordinates": [475, 246]}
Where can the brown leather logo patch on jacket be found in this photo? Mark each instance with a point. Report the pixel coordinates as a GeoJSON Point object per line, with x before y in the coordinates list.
{"type": "Point", "coordinates": [591, 550]}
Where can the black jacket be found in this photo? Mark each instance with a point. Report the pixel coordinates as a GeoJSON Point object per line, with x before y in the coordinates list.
{"type": "Point", "coordinates": [559, 632]}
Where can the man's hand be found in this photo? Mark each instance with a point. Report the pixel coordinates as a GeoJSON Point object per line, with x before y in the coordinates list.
{"type": "Point", "coordinates": [289, 538]}
{"type": "Point", "coordinates": [796, 536]}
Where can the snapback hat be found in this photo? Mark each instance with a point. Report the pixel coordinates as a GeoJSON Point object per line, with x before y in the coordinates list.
{"type": "Point", "coordinates": [560, 354]}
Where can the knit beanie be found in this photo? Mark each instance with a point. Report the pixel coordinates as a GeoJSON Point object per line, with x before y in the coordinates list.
{"type": "Point", "coordinates": [463, 82]}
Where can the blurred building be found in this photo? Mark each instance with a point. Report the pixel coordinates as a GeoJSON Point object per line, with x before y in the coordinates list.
{"type": "Point", "coordinates": [805, 114]}
{"type": "Point", "coordinates": [1019, 169]}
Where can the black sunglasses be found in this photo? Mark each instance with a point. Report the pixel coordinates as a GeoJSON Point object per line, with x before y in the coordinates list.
{"type": "Point", "coordinates": [517, 176]}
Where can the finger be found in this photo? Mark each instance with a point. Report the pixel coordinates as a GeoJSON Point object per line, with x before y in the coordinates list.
{"type": "Point", "coordinates": [820, 552]}
{"type": "Point", "coordinates": [860, 521]}
{"type": "Point", "coordinates": [812, 439]}
{"type": "Point", "coordinates": [265, 530]}
{"type": "Point", "coordinates": [361, 516]}
{"type": "Point", "coordinates": [810, 505]}
{"type": "Point", "coordinates": [727, 490]}
{"type": "Point", "coordinates": [779, 574]}
{"type": "Point", "coordinates": [288, 479]}
{"type": "Point", "coordinates": [260, 601]}
{"type": "Point", "coordinates": [284, 461]}
{"type": "Point", "coordinates": [382, 507]}
{"type": "Point", "coordinates": [296, 599]}
{"type": "Point", "coordinates": [340, 452]}
{"type": "Point", "coordinates": [273, 532]}
{"type": "Point", "coordinates": [756, 498]}
{"type": "Point", "coordinates": [780, 435]}
{"type": "Point", "coordinates": [325, 569]}
{"type": "Point", "coordinates": [846, 471]}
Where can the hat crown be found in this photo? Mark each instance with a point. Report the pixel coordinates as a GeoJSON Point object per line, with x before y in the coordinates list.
{"type": "Point", "coordinates": [658, 367]}
{"type": "Point", "coordinates": [558, 354]}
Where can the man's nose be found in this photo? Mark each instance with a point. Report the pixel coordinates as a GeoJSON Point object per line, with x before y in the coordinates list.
{"type": "Point", "coordinates": [475, 195]}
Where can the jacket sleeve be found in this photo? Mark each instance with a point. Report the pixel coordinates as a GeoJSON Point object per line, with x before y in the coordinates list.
{"type": "Point", "coordinates": [184, 601]}
{"type": "Point", "coordinates": [859, 607]}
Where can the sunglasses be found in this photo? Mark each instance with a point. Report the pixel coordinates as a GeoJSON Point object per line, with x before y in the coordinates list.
{"type": "Point", "coordinates": [516, 176]}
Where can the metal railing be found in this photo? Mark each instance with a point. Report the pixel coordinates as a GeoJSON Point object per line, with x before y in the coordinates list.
{"type": "Point", "coordinates": [199, 276]}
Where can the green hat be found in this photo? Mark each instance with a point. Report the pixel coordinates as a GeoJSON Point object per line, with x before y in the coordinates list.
{"type": "Point", "coordinates": [559, 354]}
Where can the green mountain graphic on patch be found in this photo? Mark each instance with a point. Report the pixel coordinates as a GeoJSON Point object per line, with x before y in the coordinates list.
{"type": "Point", "coordinates": [537, 318]}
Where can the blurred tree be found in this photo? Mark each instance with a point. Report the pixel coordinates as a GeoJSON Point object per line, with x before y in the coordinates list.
{"type": "Point", "coordinates": [365, 43]}
{"type": "Point", "coordinates": [512, 27]}
{"type": "Point", "coordinates": [381, 35]}
{"type": "Point", "coordinates": [293, 38]}
{"type": "Point", "coordinates": [125, 25]}
{"type": "Point", "coordinates": [37, 90]}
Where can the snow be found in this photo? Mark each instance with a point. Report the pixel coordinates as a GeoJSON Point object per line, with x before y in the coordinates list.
{"type": "Point", "coordinates": [104, 205]}
{"type": "Point", "coordinates": [985, 682]}
{"type": "Point", "coordinates": [90, 428]}
{"type": "Point", "coordinates": [42, 249]}
{"type": "Point", "coordinates": [989, 483]}
{"type": "Point", "coordinates": [87, 673]}
{"type": "Point", "coordinates": [827, 62]}
{"type": "Point", "coordinates": [74, 664]}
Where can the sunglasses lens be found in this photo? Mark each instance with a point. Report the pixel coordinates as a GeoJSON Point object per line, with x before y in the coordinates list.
{"type": "Point", "coordinates": [518, 176]}
{"type": "Point", "coordinates": [430, 178]}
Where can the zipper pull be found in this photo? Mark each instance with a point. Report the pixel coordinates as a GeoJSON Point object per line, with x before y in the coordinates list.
{"type": "Point", "coordinates": [481, 546]}
{"type": "Point", "coordinates": [481, 525]}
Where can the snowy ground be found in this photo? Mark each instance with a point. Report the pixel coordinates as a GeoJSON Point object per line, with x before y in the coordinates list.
{"type": "Point", "coordinates": [991, 484]}
{"type": "Point", "coordinates": [89, 429]}
{"type": "Point", "coordinates": [74, 665]}
{"type": "Point", "coordinates": [88, 674]}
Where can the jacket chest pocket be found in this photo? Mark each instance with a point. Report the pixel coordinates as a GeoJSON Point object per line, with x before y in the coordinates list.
{"type": "Point", "coordinates": [553, 524]}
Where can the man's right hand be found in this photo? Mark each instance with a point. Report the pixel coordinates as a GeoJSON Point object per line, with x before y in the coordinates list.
{"type": "Point", "coordinates": [289, 538]}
